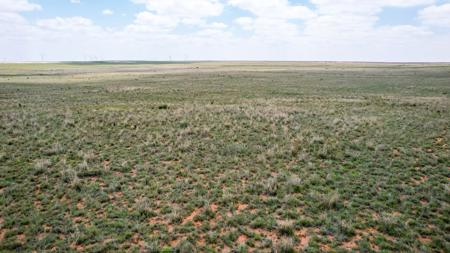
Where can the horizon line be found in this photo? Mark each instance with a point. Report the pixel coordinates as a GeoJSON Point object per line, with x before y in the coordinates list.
{"type": "Point", "coordinates": [201, 61]}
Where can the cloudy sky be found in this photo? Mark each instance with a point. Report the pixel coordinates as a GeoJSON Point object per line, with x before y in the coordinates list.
{"type": "Point", "coordinates": [344, 30]}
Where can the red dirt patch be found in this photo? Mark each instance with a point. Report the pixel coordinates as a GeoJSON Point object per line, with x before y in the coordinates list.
{"type": "Point", "coordinates": [136, 240]}
{"type": "Point", "coordinates": [325, 248]}
{"type": "Point", "coordinates": [303, 237]}
{"type": "Point", "coordinates": [226, 249]}
{"type": "Point", "coordinates": [106, 164]}
{"type": "Point", "coordinates": [134, 172]}
{"type": "Point", "coordinates": [214, 207]}
{"type": "Point", "coordinates": [79, 248]}
{"type": "Point", "coordinates": [65, 200]}
{"type": "Point", "coordinates": [157, 221]}
{"type": "Point", "coordinates": [241, 207]}
{"type": "Point", "coordinates": [37, 204]}
{"type": "Point", "coordinates": [2, 234]}
{"type": "Point", "coordinates": [424, 239]}
{"type": "Point", "coordinates": [109, 240]}
{"type": "Point", "coordinates": [201, 241]}
{"type": "Point", "coordinates": [266, 234]}
{"type": "Point", "coordinates": [169, 228]}
{"type": "Point", "coordinates": [353, 243]}
{"type": "Point", "coordinates": [21, 238]}
{"type": "Point", "coordinates": [115, 195]}
{"type": "Point", "coordinates": [367, 232]}
{"type": "Point", "coordinates": [2, 231]}
{"type": "Point", "coordinates": [80, 205]}
{"type": "Point", "coordinates": [214, 221]}
{"type": "Point", "coordinates": [242, 239]}
{"type": "Point", "coordinates": [175, 242]}
{"type": "Point", "coordinates": [80, 219]}
{"type": "Point", "coordinates": [423, 201]}
{"type": "Point", "coordinates": [117, 174]}
{"type": "Point", "coordinates": [192, 215]}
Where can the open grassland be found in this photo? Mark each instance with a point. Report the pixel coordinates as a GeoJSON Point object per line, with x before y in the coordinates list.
{"type": "Point", "coordinates": [221, 157]}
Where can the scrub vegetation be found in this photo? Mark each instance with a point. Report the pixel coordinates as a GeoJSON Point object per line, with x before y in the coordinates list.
{"type": "Point", "coordinates": [224, 157]}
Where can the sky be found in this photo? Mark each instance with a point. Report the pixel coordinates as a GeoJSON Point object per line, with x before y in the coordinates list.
{"type": "Point", "coordinates": [189, 30]}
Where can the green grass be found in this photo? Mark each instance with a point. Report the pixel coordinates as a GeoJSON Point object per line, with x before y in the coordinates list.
{"type": "Point", "coordinates": [213, 157]}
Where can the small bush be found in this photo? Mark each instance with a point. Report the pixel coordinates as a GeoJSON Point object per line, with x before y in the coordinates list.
{"type": "Point", "coordinates": [271, 186]}
{"type": "Point", "coordinates": [293, 184]}
{"type": "Point", "coordinates": [327, 201]}
{"type": "Point", "coordinates": [390, 225]}
{"type": "Point", "coordinates": [286, 245]}
{"type": "Point", "coordinates": [57, 148]}
{"type": "Point", "coordinates": [286, 228]}
{"type": "Point", "coordinates": [69, 176]}
{"type": "Point", "coordinates": [185, 247]}
{"type": "Point", "coordinates": [258, 223]}
{"type": "Point", "coordinates": [41, 166]}
{"type": "Point", "coordinates": [143, 207]}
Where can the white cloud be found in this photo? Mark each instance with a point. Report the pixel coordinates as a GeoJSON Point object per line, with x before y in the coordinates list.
{"type": "Point", "coordinates": [149, 22]}
{"type": "Point", "coordinates": [12, 23]}
{"type": "Point", "coordinates": [329, 19]}
{"type": "Point", "coordinates": [193, 9]}
{"type": "Point", "coordinates": [341, 29]}
{"type": "Point", "coordinates": [350, 19]}
{"type": "Point", "coordinates": [436, 15]}
{"type": "Point", "coordinates": [69, 25]}
{"type": "Point", "coordinates": [247, 23]}
{"type": "Point", "coordinates": [213, 34]}
{"type": "Point", "coordinates": [273, 21]}
{"type": "Point", "coordinates": [274, 30]}
{"type": "Point", "coordinates": [11, 18]}
{"type": "Point", "coordinates": [280, 9]}
{"type": "Point", "coordinates": [108, 12]}
{"type": "Point", "coordinates": [216, 25]}
{"type": "Point", "coordinates": [18, 6]}
{"type": "Point", "coordinates": [166, 15]}
{"type": "Point", "coordinates": [362, 6]}
{"type": "Point", "coordinates": [269, 29]}
{"type": "Point", "coordinates": [75, 1]}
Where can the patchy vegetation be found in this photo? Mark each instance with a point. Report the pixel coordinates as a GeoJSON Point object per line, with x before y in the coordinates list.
{"type": "Point", "coordinates": [221, 157]}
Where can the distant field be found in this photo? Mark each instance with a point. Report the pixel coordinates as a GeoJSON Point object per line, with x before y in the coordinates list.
{"type": "Point", "coordinates": [224, 157]}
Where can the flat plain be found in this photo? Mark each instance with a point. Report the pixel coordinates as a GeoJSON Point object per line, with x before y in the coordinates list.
{"type": "Point", "coordinates": [224, 157]}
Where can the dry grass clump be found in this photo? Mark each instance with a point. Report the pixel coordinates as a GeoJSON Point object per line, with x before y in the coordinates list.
{"type": "Point", "coordinates": [42, 165]}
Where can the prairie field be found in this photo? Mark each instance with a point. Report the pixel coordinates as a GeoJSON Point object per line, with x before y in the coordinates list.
{"type": "Point", "coordinates": [224, 157]}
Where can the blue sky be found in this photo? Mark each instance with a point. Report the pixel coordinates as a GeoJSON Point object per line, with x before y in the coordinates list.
{"type": "Point", "coordinates": [367, 30]}
{"type": "Point", "coordinates": [92, 9]}
{"type": "Point", "coordinates": [125, 10]}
